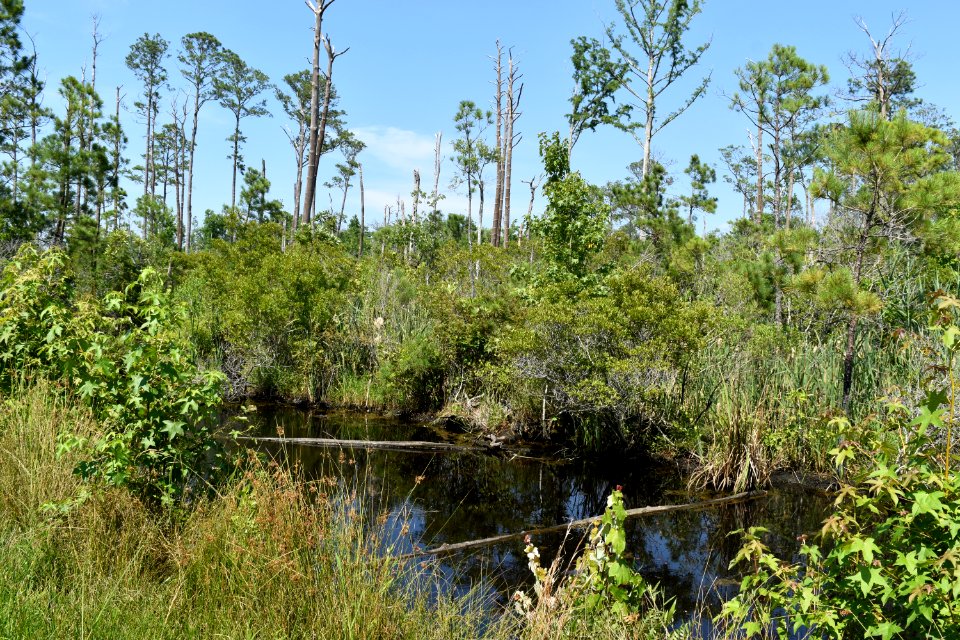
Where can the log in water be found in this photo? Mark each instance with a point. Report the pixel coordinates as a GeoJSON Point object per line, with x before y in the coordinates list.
{"type": "Point", "coordinates": [389, 445]}
{"type": "Point", "coordinates": [585, 522]}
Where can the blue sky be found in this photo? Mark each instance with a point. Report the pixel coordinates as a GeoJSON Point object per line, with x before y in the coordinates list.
{"type": "Point", "coordinates": [410, 63]}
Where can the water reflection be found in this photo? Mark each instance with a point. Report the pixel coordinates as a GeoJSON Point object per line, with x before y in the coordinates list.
{"type": "Point", "coordinates": [426, 499]}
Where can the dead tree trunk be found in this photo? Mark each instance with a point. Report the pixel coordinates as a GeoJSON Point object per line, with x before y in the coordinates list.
{"type": "Point", "coordinates": [363, 221]}
{"type": "Point", "coordinates": [97, 39]}
{"type": "Point", "coordinates": [343, 204]}
{"type": "Point", "coordinates": [498, 195]}
{"type": "Point", "coordinates": [317, 151]}
{"type": "Point", "coordinates": [315, 145]}
{"type": "Point", "coordinates": [435, 195]}
{"type": "Point", "coordinates": [510, 141]}
{"type": "Point", "coordinates": [587, 522]}
{"type": "Point", "coordinates": [878, 66]}
{"type": "Point", "coordinates": [176, 187]}
{"type": "Point", "coordinates": [299, 144]}
{"type": "Point", "coordinates": [417, 446]}
{"type": "Point", "coordinates": [116, 168]}
{"type": "Point", "coordinates": [480, 188]}
{"type": "Point", "coordinates": [758, 214]}
{"type": "Point", "coordinates": [534, 184]}
{"type": "Point", "coordinates": [788, 211]}
{"type": "Point", "coordinates": [416, 194]}
{"type": "Point", "coordinates": [414, 219]}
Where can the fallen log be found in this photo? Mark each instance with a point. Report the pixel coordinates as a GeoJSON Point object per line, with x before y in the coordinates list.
{"type": "Point", "coordinates": [390, 445]}
{"type": "Point", "coordinates": [445, 549]}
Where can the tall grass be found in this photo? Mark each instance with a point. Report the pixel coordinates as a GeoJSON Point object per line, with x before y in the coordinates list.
{"type": "Point", "coordinates": [270, 557]}
{"type": "Point", "coordinates": [767, 405]}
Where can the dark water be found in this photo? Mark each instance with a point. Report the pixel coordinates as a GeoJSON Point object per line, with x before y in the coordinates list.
{"type": "Point", "coordinates": [427, 499]}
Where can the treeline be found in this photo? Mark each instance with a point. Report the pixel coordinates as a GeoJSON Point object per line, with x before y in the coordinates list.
{"type": "Point", "coordinates": [63, 181]}
{"type": "Point", "coordinates": [605, 320]}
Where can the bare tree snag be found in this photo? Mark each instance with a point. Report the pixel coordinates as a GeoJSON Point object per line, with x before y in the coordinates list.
{"type": "Point", "coordinates": [510, 141]}
{"type": "Point", "coordinates": [363, 228]}
{"type": "Point", "coordinates": [116, 167]}
{"type": "Point", "coordinates": [435, 195]}
{"type": "Point", "coordinates": [498, 196]}
{"type": "Point", "coordinates": [97, 39]}
{"type": "Point", "coordinates": [758, 149]}
{"type": "Point", "coordinates": [317, 122]}
{"type": "Point", "coordinates": [534, 184]}
{"type": "Point", "coordinates": [327, 96]}
{"type": "Point", "coordinates": [416, 194]}
{"type": "Point", "coordinates": [879, 66]}
{"type": "Point", "coordinates": [298, 148]}
{"type": "Point", "coordinates": [178, 136]}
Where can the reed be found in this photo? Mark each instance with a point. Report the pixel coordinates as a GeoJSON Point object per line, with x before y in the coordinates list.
{"type": "Point", "coordinates": [769, 404]}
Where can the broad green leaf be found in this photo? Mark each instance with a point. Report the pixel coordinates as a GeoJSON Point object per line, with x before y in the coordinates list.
{"type": "Point", "coordinates": [172, 428]}
{"type": "Point", "coordinates": [620, 572]}
{"type": "Point", "coordinates": [617, 539]}
{"type": "Point", "coordinates": [927, 502]}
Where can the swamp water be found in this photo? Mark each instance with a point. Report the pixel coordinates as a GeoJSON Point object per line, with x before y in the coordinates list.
{"type": "Point", "coordinates": [425, 499]}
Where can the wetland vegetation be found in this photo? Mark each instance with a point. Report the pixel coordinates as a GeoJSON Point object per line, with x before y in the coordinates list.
{"type": "Point", "coordinates": [604, 354]}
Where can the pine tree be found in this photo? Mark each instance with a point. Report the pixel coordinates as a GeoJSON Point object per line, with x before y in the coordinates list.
{"type": "Point", "coordinates": [886, 178]}
{"type": "Point", "coordinates": [202, 58]}
{"type": "Point", "coordinates": [239, 88]}
{"type": "Point", "coordinates": [701, 175]}
{"type": "Point", "coordinates": [20, 86]}
{"type": "Point", "coordinates": [146, 59]}
{"type": "Point", "coordinates": [777, 96]}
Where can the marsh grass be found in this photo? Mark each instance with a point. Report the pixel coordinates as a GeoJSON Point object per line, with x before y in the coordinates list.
{"type": "Point", "coordinates": [269, 557]}
{"type": "Point", "coordinates": [768, 405]}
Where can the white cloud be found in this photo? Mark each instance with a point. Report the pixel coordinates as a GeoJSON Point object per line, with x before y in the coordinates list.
{"type": "Point", "coordinates": [398, 148]}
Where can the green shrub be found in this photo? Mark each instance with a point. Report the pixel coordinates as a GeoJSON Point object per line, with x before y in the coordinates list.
{"type": "Point", "coordinates": [607, 359]}
{"type": "Point", "coordinates": [888, 564]}
{"type": "Point", "coordinates": [269, 319]}
{"type": "Point", "coordinates": [125, 358]}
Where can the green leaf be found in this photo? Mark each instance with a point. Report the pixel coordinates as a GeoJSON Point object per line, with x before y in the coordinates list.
{"type": "Point", "coordinates": [88, 388]}
{"type": "Point", "coordinates": [172, 428]}
{"type": "Point", "coordinates": [868, 549]}
{"type": "Point", "coordinates": [908, 561]}
{"type": "Point", "coordinates": [935, 399]}
{"type": "Point", "coordinates": [927, 502]}
{"type": "Point", "coordinates": [950, 336]}
{"type": "Point", "coordinates": [928, 418]}
{"type": "Point", "coordinates": [620, 572]}
{"type": "Point", "coordinates": [884, 630]}
{"type": "Point", "coordinates": [617, 539]}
